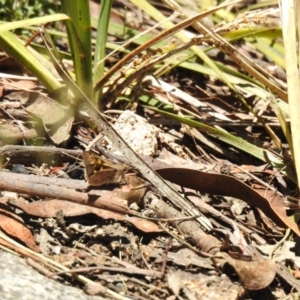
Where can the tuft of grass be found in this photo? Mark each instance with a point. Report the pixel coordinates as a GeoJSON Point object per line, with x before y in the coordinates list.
{"type": "Point", "coordinates": [159, 55]}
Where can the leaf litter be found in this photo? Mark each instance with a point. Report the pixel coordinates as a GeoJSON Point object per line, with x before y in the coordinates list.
{"type": "Point", "coordinates": [129, 234]}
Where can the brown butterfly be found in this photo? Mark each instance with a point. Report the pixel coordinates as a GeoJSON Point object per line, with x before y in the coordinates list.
{"type": "Point", "coordinates": [100, 171]}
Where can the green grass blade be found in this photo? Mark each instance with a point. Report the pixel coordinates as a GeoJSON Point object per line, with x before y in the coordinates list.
{"type": "Point", "coordinates": [14, 48]}
{"type": "Point", "coordinates": [34, 21]}
{"type": "Point", "coordinates": [100, 49]}
{"type": "Point", "coordinates": [222, 135]}
{"type": "Point", "coordinates": [227, 138]}
{"type": "Point", "coordinates": [158, 16]}
{"type": "Point", "coordinates": [79, 36]}
{"type": "Point", "coordinates": [263, 46]}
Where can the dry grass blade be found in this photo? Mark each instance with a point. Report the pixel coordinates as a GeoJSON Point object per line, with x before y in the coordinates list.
{"type": "Point", "coordinates": [253, 69]}
{"type": "Point", "coordinates": [153, 41]}
{"type": "Point", "coordinates": [290, 13]}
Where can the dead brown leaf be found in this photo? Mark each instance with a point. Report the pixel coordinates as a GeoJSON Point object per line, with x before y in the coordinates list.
{"type": "Point", "coordinates": [56, 119]}
{"type": "Point", "coordinates": [254, 275]}
{"type": "Point", "coordinates": [18, 85]}
{"type": "Point", "coordinates": [218, 184]}
{"type": "Point", "coordinates": [49, 209]}
{"type": "Point", "coordinates": [13, 133]}
{"type": "Point", "coordinates": [13, 226]}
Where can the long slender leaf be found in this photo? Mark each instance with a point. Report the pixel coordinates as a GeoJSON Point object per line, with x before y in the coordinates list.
{"type": "Point", "coordinates": [222, 135]}
{"type": "Point", "coordinates": [79, 36]}
{"type": "Point", "coordinates": [13, 47]}
{"type": "Point", "coordinates": [34, 21]}
{"type": "Point", "coordinates": [100, 50]}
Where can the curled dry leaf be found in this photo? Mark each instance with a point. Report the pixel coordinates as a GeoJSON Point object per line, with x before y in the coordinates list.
{"type": "Point", "coordinates": [224, 185]}
{"type": "Point", "coordinates": [56, 119]}
{"type": "Point", "coordinates": [134, 191]}
{"type": "Point", "coordinates": [13, 226]}
{"type": "Point", "coordinates": [254, 275]}
{"type": "Point", "coordinates": [48, 209]}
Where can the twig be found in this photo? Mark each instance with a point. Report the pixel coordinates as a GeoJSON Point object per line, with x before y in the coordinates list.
{"type": "Point", "coordinates": [287, 233]}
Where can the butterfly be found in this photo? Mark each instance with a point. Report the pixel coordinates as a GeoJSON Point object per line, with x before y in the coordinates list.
{"type": "Point", "coordinates": [100, 171]}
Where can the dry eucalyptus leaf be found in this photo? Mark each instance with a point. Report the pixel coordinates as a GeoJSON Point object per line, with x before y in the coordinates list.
{"type": "Point", "coordinates": [48, 209]}
{"type": "Point", "coordinates": [13, 226]}
{"type": "Point", "coordinates": [56, 119]}
{"type": "Point", "coordinates": [219, 184]}
{"type": "Point", "coordinates": [254, 275]}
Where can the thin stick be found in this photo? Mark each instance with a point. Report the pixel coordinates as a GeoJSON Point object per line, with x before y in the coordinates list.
{"type": "Point", "coordinates": [94, 141]}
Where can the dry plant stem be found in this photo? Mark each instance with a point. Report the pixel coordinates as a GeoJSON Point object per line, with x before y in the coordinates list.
{"type": "Point", "coordinates": [290, 29]}
{"type": "Point", "coordinates": [171, 219]}
{"type": "Point", "coordinates": [165, 257]}
{"type": "Point", "coordinates": [285, 273]}
{"type": "Point", "coordinates": [24, 184]}
{"type": "Point", "coordinates": [268, 186]}
{"type": "Point", "coordinates": [153, 41]}
{"type": "Point", "coordinates": [279, 243]}
{"type": "Point", "coordinates": [149, 286]}
{"type": "Point", "coordinates": [112, 92]}
{"type": "Point", "coordinates": [39, 181]}
{"type": "Point", "coordinates": [65, 189]}
{"type": "Point", "coordinates": [143, 256]}
{"type": "Point", "coordinates": [7, 249]}
{"type": "Point", "coordinates": [32, 154]}
{"type": "Point", "coordinates": [206, 243]}
{"type": "Point", "coordinates": [205, 208]}
{"type": "Point", "coordinates": [253, 69]}
{"type": "Point", "coordinates": [267, 222]}
{"type": "Point", "coordinates": [129, 270]}
{"type": "Point", "coordinates": [128, 42]}
{"type": "Point", "coordinates": [93, 142]}
{"type": "Point", "coordinates": [181, 241]}
{"type": "Point", "coordinates": [256, 71]}
{"type": "Point", "coordinates": [146, 295]}
{"type": "Point", "coordinates": [41, 268]}
{"type": "Point", "coordinates": [134, 160]}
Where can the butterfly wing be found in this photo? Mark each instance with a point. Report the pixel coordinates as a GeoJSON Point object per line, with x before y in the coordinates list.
{"type": "Point", "coordinates": [106, 176]}
{"type": "Point", "coordinates": [100, 172]}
